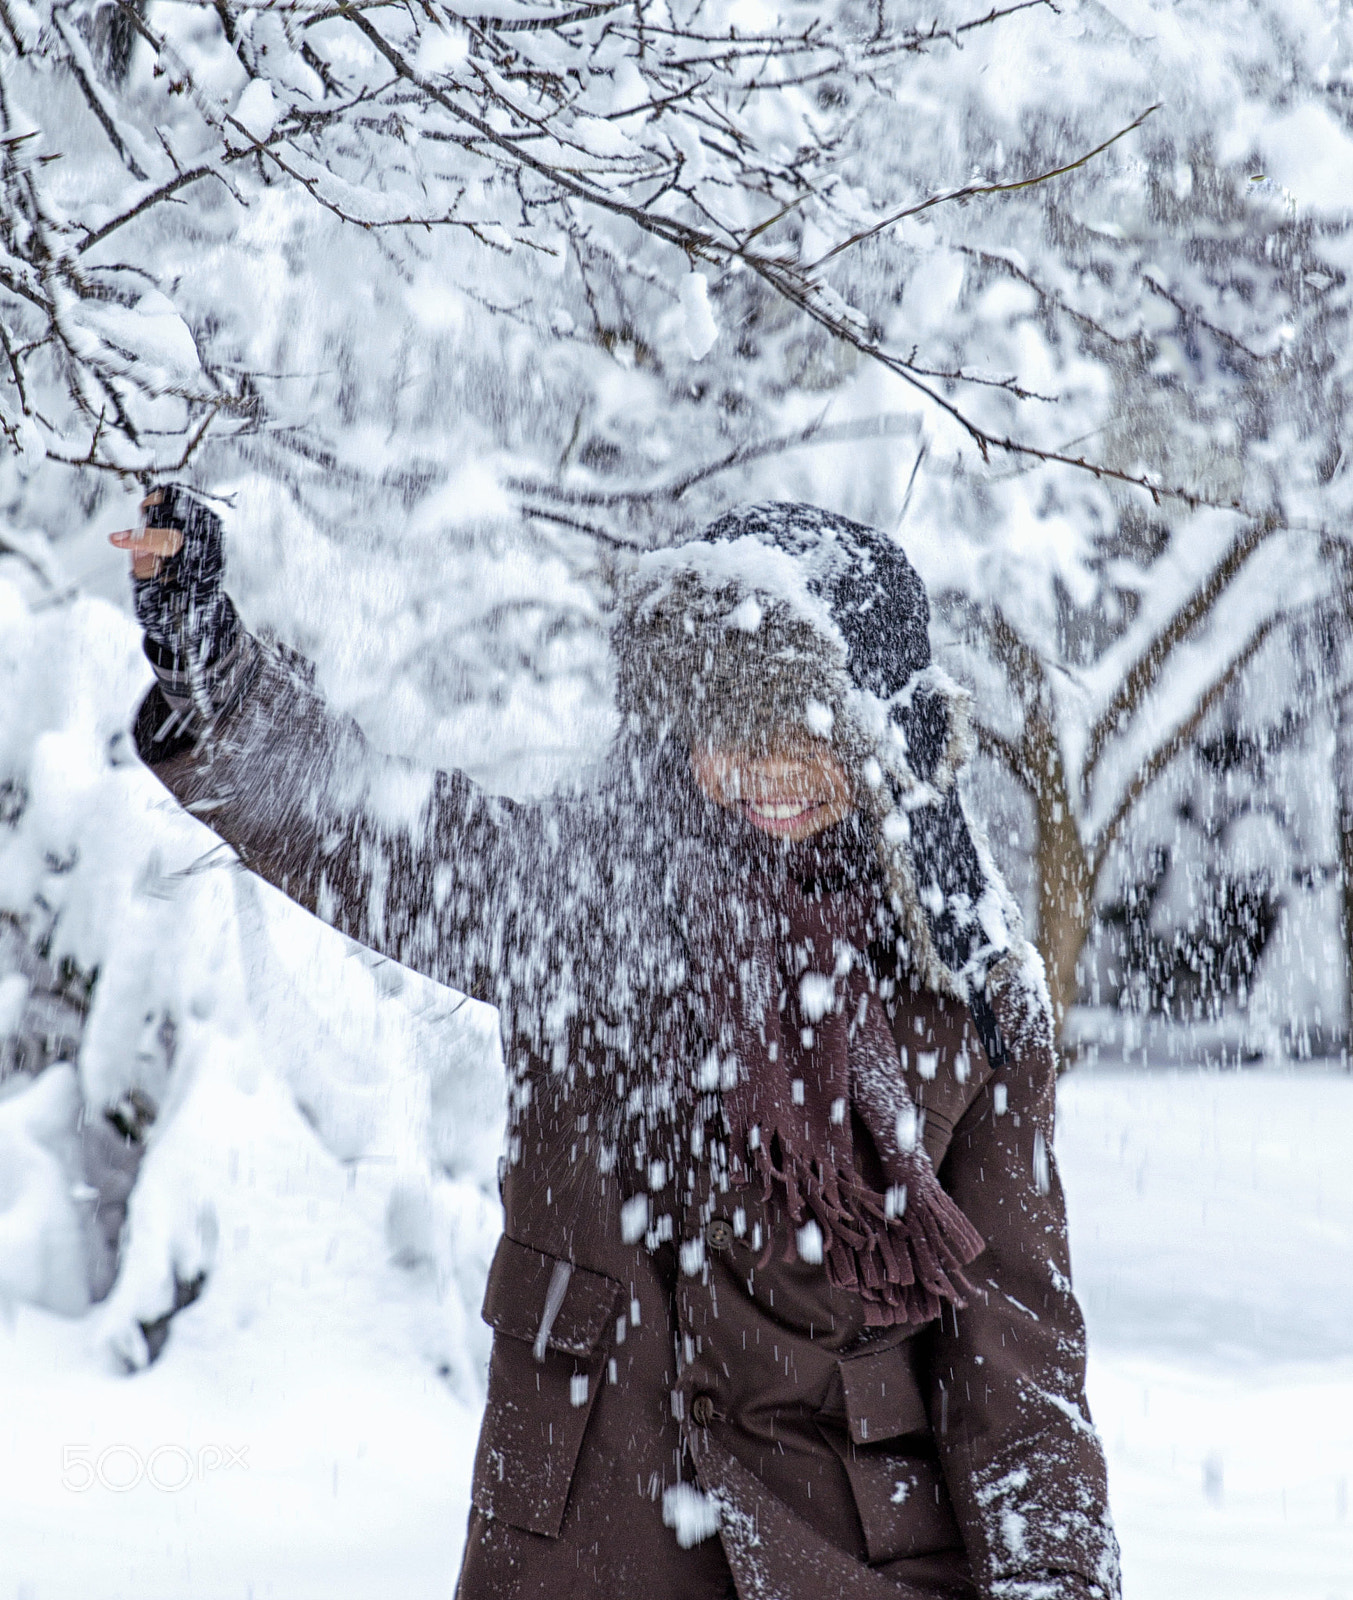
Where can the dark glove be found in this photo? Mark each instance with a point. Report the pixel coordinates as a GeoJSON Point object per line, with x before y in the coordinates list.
{"type": "Point", "coordinates": [190, 623]}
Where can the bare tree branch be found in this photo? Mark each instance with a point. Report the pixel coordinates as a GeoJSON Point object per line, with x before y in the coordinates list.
{"type": "Point", "coordinates": [164, 192]}
{"type": "Point", "coordinates": [1192, 314]}
{"type": "Point", "coordinates": [1022, 663]}
{"type": "Point", "coordinates": [888, 426]}
{"type": "Point", "coordinates": [146, 473]}
{"type": "Point", "coordinates": [1011, 269]}
{"type": "Point", "coordinates": [1165, 752]}
{"type": "Point", "coordinates": [1010, 754]}
{"type": "Point", "coordinates": [533, 120]}
{"type": "Point", "coordinates": [590, 528]}
{"type": "Point", "coordinates": [1143, 675]}
{"type": "Point", "coordinates": [790, 282]}
{"type": "Point", "coordinates": [973, 190]}
{"type": "Point", "coordinates": [76, 62]}
{"type": "Point", "coordinates": [809, 299]}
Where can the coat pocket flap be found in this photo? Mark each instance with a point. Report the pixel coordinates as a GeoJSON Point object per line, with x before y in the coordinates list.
{"type": "Point", "coordinates": [549, 1303]}
{"type": "Point", "coordinates": [883, 1400]}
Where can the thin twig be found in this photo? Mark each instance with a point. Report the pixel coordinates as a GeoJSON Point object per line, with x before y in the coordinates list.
{"type": "Point", "coordinates": [973, 190]}
{"type": "Point", "coordinates": [921, 454]}
{"type": "Point", "coordinates": [144, 204]}
{"type": "Point", "coordinates": [890, 425]}
{"type": "Point", "coordinates": [590, 528]}
{"type": "Point", "coordinates": [1192, 314]}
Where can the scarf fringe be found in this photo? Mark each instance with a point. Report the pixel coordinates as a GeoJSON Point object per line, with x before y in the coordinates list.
{"type": "Point", "coordinates": [903, 1267]}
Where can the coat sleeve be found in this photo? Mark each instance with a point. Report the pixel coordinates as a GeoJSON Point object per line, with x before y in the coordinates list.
{"type": "Point", "coordinates": [422, 866]}
{"type": "Point", "coordinates": [1023, 1463]}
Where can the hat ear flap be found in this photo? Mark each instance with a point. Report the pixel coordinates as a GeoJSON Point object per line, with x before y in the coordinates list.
{"type": "Point", "coordinates": [935, 715]}
{"type": "Point", "coordinates": [938, 872]}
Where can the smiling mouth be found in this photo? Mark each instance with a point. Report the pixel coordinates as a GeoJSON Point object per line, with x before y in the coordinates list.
{"type": "Point", "coordinates": [778, 817]}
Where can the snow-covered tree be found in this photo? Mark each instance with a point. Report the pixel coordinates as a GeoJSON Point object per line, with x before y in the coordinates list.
{"type": "Point", "coordinates": [453, 309]}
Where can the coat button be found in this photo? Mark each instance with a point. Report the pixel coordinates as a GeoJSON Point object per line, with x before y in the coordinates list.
{"type": "Point", "coordinates": [719, 1234]}
{"type": "Point", "coordinates": [702, 1410]}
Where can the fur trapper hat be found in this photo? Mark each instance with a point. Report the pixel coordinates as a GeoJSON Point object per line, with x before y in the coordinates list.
{"type": "Point", "coordinates": [783, 615]}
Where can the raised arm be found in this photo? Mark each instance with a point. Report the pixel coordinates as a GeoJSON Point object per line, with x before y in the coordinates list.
{"type": "Point", "coordinates": [1023, 1463]}
{"type": "Point", "coordinates": [420, 865]}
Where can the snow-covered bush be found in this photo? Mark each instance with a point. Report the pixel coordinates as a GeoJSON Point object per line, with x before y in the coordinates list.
{"type": "Point", "coordinates": [42, 1245]}
{"type": "Point", "coordinates": [228, 1040]}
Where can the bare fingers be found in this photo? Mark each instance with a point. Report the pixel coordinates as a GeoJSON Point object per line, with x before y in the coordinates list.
{"type": "Point", "coordinates": [148, 546]}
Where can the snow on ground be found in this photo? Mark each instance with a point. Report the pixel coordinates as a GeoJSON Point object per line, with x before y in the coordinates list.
{"type": "Point", "coordinates": [1212, 1235]}
{"type": "Point", "coordinates": [291, 1443]}
{"type": "Point", "coordinates": [310, 1426]}
{"type": "Point", "coordinates": [1212, 1222]}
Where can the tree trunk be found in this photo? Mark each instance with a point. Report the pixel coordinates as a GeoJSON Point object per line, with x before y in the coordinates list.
{"type": "Point", "coordinates": [1343, 790]}
{"type": "Point", "coordinates": [1065, 889]}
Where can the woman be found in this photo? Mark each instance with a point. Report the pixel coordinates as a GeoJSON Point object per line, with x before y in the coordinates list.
{"type": "Point", "coordinates": [782, 1304]}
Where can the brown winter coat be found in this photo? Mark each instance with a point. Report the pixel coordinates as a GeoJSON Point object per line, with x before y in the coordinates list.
{"type": "Point", "coordinates": [645, 1334]}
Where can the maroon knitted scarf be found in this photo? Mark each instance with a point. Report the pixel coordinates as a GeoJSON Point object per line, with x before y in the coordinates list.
{"type": "Point", "coordinates": [794, 1006]}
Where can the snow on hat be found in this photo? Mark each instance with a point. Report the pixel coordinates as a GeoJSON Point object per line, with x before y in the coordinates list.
{"type": "Point", "coordinates": [783, 615]}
